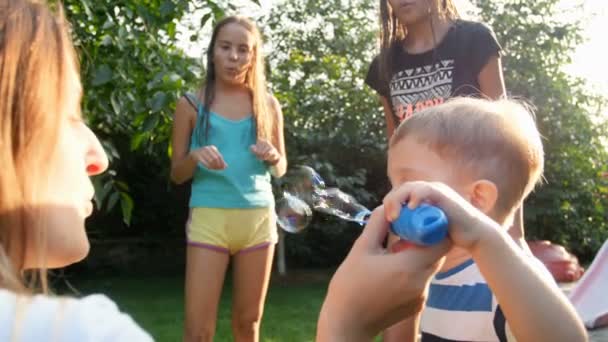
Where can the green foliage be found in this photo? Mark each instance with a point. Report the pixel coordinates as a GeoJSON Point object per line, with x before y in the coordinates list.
{"type": "Point", "coordinates": [320, 55]}
{"type": "Point", "coordinates": [538, 40]}
{"type": "Point", "coordinates": [133, 73]}
{"type": "Point", "coordinates": [332, 120]}
{"type": "Point", "coordinates": [320, 51]}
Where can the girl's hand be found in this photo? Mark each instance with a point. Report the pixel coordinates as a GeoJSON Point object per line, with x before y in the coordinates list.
{"type": "Point", "coordinates": [210, 157]}
{"type": "Point", "coordinates": [265, 151]}
{"type": "Point", "coordinates": [373, 289]}
{"type": "Point", "coordinates": [467, 224]}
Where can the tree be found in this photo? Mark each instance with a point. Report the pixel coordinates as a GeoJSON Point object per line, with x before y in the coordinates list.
{"type": "Point", "coordinates": [320, 52]}
{"type": "Point", "coordinates": [133, 72]}
{"type": "Point", "coordinates": [538, 40]}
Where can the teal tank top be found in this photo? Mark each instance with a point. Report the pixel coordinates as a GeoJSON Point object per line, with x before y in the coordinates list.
{"type": "Point", "coordinates": [245, 182]}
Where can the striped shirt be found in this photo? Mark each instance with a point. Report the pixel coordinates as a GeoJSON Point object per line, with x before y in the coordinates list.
{"type": "Point", "coordinates": [462, 307]}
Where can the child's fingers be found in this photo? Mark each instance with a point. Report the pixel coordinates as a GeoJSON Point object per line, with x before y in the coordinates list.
{"type": "Point", "coordinates": [401, 245]}
{"type": "Point", "coordinates": [412, 193]}
{"type": "Point", "coordinates": [260, 150]}
{"type": "Point", "coordinates": [394, 201]}
{"type": "Point", "coordinates": [422, 257]}
{"type": "Point", "coordinates": [203, 160]}
{"type": "Point", "coordinates": [375, 231]}
{"type": "Point", "coordinates": [271, 154]}
{"type": "Point", "coordinates": [215, 158]}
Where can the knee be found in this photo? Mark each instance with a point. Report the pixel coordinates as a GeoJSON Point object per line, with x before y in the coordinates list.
{"type": "Point", "coordinates": [247, 321]}
{"type": "Point", "coordinates": [199, 334]}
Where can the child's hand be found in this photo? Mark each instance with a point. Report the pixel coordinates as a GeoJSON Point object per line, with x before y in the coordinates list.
{"type": "Point", "coordinates": [466, 223]}
{"type": "Point", "coordinates": [265, 151]}
{"type": "Point", "coordinates": [210, 157]}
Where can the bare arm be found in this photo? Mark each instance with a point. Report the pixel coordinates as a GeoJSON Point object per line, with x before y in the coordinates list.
{"type": "Point", "coordinates": [388, 116]}
{"type": "Point", "coordinates": [535, 308]}
{"type": "Point", "coordinates": [490, 78]}
{"type": "Point", "coordinates": [279, 169]}
{"type": "Point", "coordinates": [182, 163]}
{"type": "Point", "coordinates": [373, 289]}
{"type": "Point", "coordinates": [404, 331]}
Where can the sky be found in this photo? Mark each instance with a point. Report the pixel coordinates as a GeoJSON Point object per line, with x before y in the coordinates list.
{"type": "Point", "coordinates": [587, 59]}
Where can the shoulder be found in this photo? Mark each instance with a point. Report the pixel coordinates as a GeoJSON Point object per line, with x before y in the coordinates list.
{"type": "Point", "coordinates": [479, 42]}
{"type": "Point", "coordinates": [72, 319]}
{"type": "Point", "coordinates": [187, 105]}
{"type": "Point", "coordinates": [272, 100]}
{"type": "Point", "coordinates": [472, 27]}
{"type": "Point", "coordinates": [375, 60]}
{"type": "Point", "coordinates": [274, 105]}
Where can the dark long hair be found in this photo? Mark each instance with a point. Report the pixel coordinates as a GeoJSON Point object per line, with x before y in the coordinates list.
{"type": "Point", "coordinates": [393, 32]}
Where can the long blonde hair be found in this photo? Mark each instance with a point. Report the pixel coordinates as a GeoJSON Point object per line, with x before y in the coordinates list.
{"type": "Point", "coordinates": [255, 81]}
{"type": "Point", "coordinates": [35, 54]}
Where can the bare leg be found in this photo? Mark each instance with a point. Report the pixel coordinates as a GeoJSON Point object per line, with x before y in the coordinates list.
{"type": "Point", "coordinates": [251, 276]}
{"type": "Point", "coordinates": [205, 272]}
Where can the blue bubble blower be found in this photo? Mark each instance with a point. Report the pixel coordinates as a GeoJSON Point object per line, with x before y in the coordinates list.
{"type": "Point", "coordinates": [424, 225]}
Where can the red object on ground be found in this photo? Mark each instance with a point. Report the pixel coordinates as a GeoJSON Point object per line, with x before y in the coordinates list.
{"type": "Point", "coordinates": [562, 264]}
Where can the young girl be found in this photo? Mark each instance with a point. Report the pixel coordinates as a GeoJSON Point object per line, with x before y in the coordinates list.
{"type": "Point", "coordinates": [229, 139]}
{"type": "Point", "coordinates": [47, 154]}
{"type": "Point", "coordinates": [428, 55]}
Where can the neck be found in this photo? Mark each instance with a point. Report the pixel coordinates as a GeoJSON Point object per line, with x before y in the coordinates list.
{"type": "Point", "coordinates": [455, 257]}
{"type": "Point", "coordinates": [226, 87]}
{"type": "Point", "coordinates": [426, 34]}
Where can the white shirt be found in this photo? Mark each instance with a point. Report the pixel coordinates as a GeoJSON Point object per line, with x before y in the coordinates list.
{"type": "Point", "coordinates": [62, 319]}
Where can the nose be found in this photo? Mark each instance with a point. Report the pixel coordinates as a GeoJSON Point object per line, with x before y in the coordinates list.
{"type": "Point", "coordinates": [96, 158]}
{"type": "Point", "coordinates": [233, 55]}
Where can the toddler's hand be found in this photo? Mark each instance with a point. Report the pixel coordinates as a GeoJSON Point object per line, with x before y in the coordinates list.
{"type": "Point", "coordinates": [466, 223]}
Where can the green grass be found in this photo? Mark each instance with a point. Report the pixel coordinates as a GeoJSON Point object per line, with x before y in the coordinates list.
{"type": "Point", "coordinates": [157, 305]}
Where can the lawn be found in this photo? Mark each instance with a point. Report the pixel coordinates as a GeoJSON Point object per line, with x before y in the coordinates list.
{"type": "Point", "coordinates": [157, 305]}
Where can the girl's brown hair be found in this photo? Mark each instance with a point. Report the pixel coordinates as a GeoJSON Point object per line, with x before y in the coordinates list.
{"type": "Point", "coordinates": [393, 32]}
{"type": "Point", "coordinates": [35, 56]}
{"type": "Point", "coordinates": [255, 81]}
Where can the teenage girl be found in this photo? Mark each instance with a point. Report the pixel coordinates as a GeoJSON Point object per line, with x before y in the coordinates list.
{"type": "Point", "coordinates": [47, 154]}
{"type": "Point", "coordinates": [228, 138]}
{"type": "Point", "coordinates": [428, 54]}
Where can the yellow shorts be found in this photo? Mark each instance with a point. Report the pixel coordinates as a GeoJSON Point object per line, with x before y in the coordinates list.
{"type": "Point", "coordinates": [232, 230]}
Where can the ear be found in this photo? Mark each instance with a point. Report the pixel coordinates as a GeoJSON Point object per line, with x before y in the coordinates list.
{"type": "Point", "coordinates": [483, 195]}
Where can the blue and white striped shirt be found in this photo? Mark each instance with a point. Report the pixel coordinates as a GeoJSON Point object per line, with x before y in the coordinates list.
{"type": "Point", "coordinates": [462, 307]}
